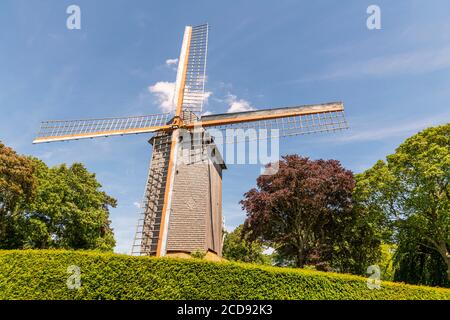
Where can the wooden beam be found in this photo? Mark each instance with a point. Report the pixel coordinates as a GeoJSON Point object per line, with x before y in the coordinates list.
{"type": "Point", "coordinates": [160, 251]}
{"type": "Point", "coordinates": [100, 134]}
{"type": "Point", "coordinates": [183, 75]}
{"type": "Point", "coordinates": [162, 239]}
{"type": "Point", "coordinates": [270, 114]}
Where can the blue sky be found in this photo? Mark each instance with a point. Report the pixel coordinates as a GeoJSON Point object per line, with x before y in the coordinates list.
{"type": "Point", "coordinates": [394, 81]}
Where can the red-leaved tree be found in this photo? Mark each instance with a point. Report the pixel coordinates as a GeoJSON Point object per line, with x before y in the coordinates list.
{"type": "Point", "coordinates": [302, 210]}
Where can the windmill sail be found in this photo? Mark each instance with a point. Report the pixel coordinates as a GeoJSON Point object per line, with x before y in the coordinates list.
{"type": "Point", "coordinates": [285, 121]}
{"type": "Point", "coordinates": [191, 76]}
{"type": "Point", "coordinates": [61, 130]}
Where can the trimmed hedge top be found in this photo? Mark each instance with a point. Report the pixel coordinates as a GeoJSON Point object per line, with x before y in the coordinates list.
{"type": "Point", "coordinates": [43, 274]}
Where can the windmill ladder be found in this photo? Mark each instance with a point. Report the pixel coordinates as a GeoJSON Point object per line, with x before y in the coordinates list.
{"type": "Point", "coordinates": [147, 231]}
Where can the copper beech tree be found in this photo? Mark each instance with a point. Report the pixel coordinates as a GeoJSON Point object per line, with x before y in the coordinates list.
{"type": "Point", "coordinates": [302, 210]}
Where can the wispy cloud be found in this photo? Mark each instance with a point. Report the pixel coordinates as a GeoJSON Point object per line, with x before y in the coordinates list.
{"type": "Point", "coordinates": [393, 130]}
{"type": "Point", "coordinates": [137, 204]}
{"type": "Point", "coordinates": [171, 62]}
{"type": "Point", "coordinates": [206, 96]}
{"type": "Point", "coordinates": [237, 105]}
{"type": "Point", "coordinates": [405, 63]}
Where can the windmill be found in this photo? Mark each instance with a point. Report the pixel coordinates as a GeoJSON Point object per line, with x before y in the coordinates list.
{"type": "Point", "coordinates": [182, 205]}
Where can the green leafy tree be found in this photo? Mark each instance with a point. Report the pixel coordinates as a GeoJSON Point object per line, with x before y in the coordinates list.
{"type": "Point", "coordinates": [237, 248]}
{"type": "Point", "coordinates": [17, 189]}
{"type": "Point", "coordinates": [59, 207]}
{"type": "Point", "coordinates": [417, 262]}
{"type": "Point", "coordinates": [411, 189]}
{"type": "Point", "coordinates": [306, 212]}
{"type": "Point", "coordinates": [69, 210]}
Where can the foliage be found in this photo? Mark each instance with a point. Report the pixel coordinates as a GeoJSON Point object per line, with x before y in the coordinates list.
{"type": "Point", "coordinates": [198, 254]}
{"type": "Point", "coordinates": [306, 212]}
{"type": "Point", "coordinates": [43, 274]}
{"type": "Point", "coordinates": [59, 207]}
{"type": "Point", "coordinates": [17, 189]}
{"type": "Point", "coordinates": [237, 248]}
{"type": "Point", "coordinates": [412, 191]}
{"type": "Point", "coordinates": [358, 244]}
{"type": "Point", "coordinates": [417, 262]}
{"type": "Point", "coordinates": [386, 262]}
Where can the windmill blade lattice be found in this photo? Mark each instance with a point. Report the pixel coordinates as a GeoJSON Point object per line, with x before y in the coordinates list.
{"type": "Point", "coordinates": [280, 122]}
{"type": "Point", "coordinates": [194, 88]}
{"type": "Point", "coordinates": [60, 130]}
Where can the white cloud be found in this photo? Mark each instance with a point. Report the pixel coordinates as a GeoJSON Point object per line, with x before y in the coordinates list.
{"type": "Point", "coordinates": [207, 113]}
{"type": "Point", "coordinates": [206, 96]}
{"type": "Point", "coordinates": [137, 205]}
{"type": "Point", "coordinates": [171, 62]}
{"type": "Point", "coordinates": [237, 105]}
{"type": "Point", "coordinates": [164, 92]}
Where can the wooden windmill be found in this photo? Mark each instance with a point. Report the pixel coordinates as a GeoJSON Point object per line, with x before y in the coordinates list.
{"type": "Point", "coordinates": [182, 206]}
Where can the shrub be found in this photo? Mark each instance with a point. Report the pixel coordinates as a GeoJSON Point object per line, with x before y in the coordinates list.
{"type": "Point", "coordinates": [43, 274]}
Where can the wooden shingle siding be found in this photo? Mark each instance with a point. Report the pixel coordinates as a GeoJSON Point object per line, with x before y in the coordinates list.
{"type": "Point", "coordinates": [195, 222]}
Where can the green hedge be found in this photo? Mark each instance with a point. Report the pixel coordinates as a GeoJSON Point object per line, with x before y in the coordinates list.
{"type": "Point", "coordinates": [43, 274]}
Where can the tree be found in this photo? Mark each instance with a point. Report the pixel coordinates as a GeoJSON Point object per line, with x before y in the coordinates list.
{"type": "Point", "coordinates": [17, 188]}
{"type": "Point", "coordinates": [305, 211]}
{"type": "Point", "coordinates": [59, 207]}
{"type": "Point", "coordinates": [411, 189]}
{"type": "Point", "coordinates": [69, 210]}
{"type": "Point", "coordinates": [417, 262]}
{"type": "Point", "coordinates": [237, 248]}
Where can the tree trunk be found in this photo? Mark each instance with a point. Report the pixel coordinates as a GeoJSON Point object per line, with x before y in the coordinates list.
{"type": "Point", "coordinates": [300, 259]}
{"type": "Point", "coordinates": [447, 261]}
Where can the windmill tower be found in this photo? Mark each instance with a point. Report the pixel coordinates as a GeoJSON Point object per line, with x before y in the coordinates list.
{"type": "Point", "coordinates": [182, 205]}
